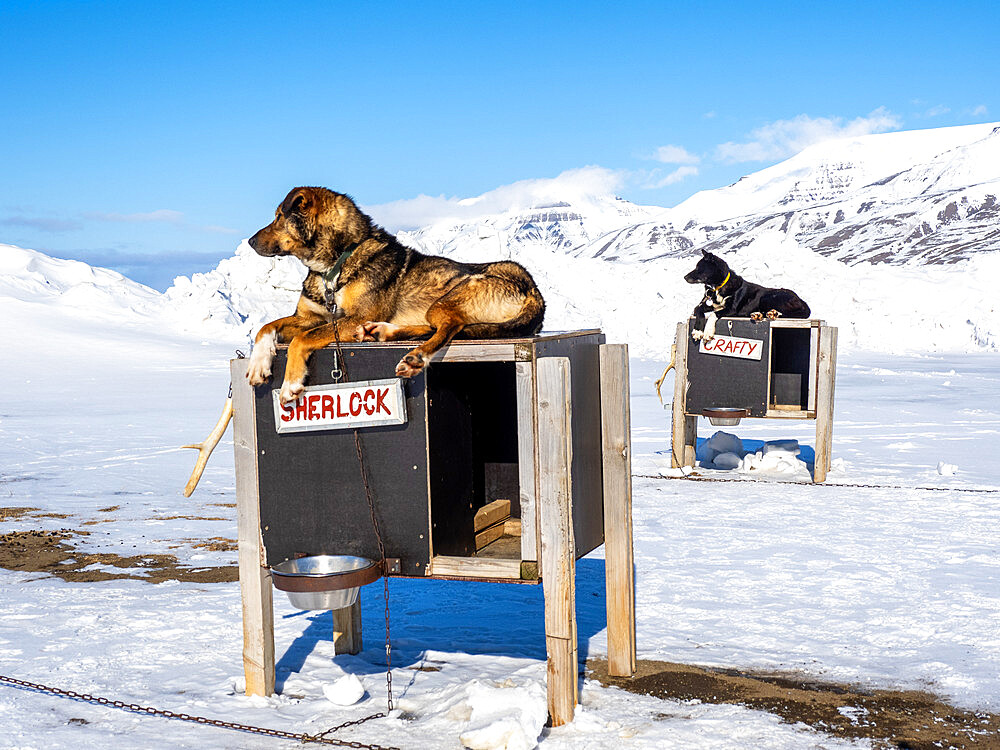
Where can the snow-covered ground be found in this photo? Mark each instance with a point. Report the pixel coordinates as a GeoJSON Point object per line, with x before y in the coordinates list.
{"type": "Point", "coordinates": [893, 587]}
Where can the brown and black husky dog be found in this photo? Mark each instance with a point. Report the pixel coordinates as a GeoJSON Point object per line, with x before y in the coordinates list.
{"type": "Point", "coordinates": [363, 285]}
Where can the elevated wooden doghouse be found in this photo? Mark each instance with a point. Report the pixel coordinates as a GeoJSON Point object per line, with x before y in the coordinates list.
{"type": "Point", "coordinates": [513, 461]}
{"type": "Point", "coordinates": [781, 369]}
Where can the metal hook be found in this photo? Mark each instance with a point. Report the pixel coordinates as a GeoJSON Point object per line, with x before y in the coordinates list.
{"type": "Point", "coordinates": [337, 372]}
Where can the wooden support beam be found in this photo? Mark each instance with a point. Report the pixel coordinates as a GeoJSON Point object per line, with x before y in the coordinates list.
{"type": "Point", "coordinates": [617, 459]}
{"type": "Point", "coordinates": [825, 382]}
{"type": "Point", "coordinates": [555, 452]}
{"type": "Point", "coordinates": [347, 629]}
{"type": "Point", "coordinates": [255, 578]}
{"type": "Point", "coordinates": [684, 428]}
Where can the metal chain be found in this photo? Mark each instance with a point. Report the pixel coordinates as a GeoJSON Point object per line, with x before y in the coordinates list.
{"type": "Point", "coordinates": [149, 711]}
{"type": "Point", "coordinates": [820, 484]}
{"type": "Point", "coordinates": [342, 369]}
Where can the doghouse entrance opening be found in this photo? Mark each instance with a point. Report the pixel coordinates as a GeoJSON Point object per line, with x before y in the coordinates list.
{"type": "Point", "coordinates": [790, 348]}
{"type": "Point", "coordinates": [472, 444]}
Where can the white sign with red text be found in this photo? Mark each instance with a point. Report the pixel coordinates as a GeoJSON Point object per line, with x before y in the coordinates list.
{"type": "Point", "coordinates": [340, 406]}
{"type": "Point", "coordinates": [729, 346]}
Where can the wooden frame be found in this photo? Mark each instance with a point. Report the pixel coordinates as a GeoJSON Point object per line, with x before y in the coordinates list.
{"type": "Point", "coordinates": [565, 512]}
{"type": "Point", "coordinates": [821, 373]}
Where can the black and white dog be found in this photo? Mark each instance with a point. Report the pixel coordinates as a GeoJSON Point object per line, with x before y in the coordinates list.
{"type": "Point", "coordinates": [729, 295]}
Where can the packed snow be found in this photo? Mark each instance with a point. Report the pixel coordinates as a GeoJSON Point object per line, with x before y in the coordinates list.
{"type": "Point", "coordinates": [886, 576]}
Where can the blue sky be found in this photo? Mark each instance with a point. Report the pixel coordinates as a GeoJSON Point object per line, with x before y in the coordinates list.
{"type": "Point", "coordinates": [152, 137]}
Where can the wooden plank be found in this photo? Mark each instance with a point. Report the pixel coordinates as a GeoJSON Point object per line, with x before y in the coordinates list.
{"type": "Point", "coordinates": [796, 323]}
{"type": "Point", "coordinates": [619, 565]}
{"type": "Point", "coordinates": [555, 456]}
{"type": "Point", "coordinates": [684, 427]}
{"type": "Point", "coordinates": [347, 629]}
{"type": "Point", "coordinates": [524, 383]}
{"type": "Point", "coordinates": [490, 514]}
{"type": "Point", "coordinates": [826, 380]}
{"type": "Point", "coordinates": [489, 535]}
{"type": "Point", "coordinates": [475, 567]}
{"type": "Point", "coordinates": [255, 578]}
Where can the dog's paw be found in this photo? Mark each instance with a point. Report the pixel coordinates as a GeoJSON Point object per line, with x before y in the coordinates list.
{"type": "Point", "coordinates": [410, 365]}
{"type": "Point", "coordinates": [773, 314]}
{"type": "Point", "coordinates": [377, 331]}
{"type": "Point", "coordinates": [259, 371]}
{"type": "Point", "coordinates": [756, 317]}
{"type": "Point", "coordinates": [290, 392]}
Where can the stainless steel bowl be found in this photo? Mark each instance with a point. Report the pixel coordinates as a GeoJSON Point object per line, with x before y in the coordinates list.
{"type": "Point", "coordinates": [324, 581]}
{"type": "Point", "coordinates": [724, 416]}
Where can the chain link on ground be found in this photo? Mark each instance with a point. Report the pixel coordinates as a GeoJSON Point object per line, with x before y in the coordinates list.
{"type": "Point", "coordinates": [690, 478]}
{"type": "Point", "coordinates": [150, 711]}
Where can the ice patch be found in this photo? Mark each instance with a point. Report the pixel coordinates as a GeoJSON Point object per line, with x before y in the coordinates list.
{"type": "Point", "coordinates": [508, 717]}
{"type": "Point", "coordinates": [346, 691]}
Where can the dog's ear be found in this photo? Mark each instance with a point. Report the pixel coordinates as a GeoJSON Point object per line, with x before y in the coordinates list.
{"type": "Point", "coordinates": [297, 201]}
{"type": "Point", "coordinates": [704, 253]}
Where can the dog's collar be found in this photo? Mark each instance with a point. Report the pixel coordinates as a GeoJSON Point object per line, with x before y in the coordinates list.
{"type": "Point", "coordinates": [716, 289]}
{"type": "Point", "coordinates": [330, 277]}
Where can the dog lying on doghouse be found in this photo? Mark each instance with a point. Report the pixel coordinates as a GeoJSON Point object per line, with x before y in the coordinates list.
{"type": "Point", "coordinates": [729, 295]}
{"type": "Point", "coordinates": [364, 285]}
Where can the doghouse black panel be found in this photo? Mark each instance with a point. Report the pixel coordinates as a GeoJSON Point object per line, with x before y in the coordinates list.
{"type": "Point", "coordinates": [587, 473]}
{"type": "Point", "coordinates": [472, 430]}
{"type": "Point", "coordinates": [790, 367]}
{"type": "Point", "coordinates": [312, 498]}
{"type": "Point", "coordinates": [720, 381]}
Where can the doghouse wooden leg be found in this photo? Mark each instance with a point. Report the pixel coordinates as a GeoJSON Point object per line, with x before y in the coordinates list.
{"type": "Point", "coordinates": [685, 429]}
{"type": "Point", "coordinates": [255, 578]}
{"type": "Point", "coordinates": [825, 380]}
{"type": "Point", "coordinates": [617, 458]}
{"type": "Point", "coordinates": [555, 454]}
{"type": "Point", "coordinates": [347, 629]}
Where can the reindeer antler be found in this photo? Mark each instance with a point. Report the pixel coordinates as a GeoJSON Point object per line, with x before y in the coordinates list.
{"type": "Point", "coordinates": [206, 447]}
{"type": "Point", "coordinates": [673, 358]}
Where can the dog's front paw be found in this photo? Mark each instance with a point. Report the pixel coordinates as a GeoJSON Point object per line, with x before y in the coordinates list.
{"type": "Point", "coordinates": [773, 314]}
{"type": "Point", "coordinates": [756, 317]}
{"type": "Point", "coordinates": [290, 392]}
{"type": "Point", "coordinates": [697, 335]}
{"type": "Point", "coordinates": [410, 365]}
{"type": "Point", "coordinates": [259, 370]}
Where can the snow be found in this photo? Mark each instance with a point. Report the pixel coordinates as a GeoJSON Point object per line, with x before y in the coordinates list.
{"type": "Point", "coordinates": [886, 576]}
{"type": "Point", "coordinates": [880, 587]}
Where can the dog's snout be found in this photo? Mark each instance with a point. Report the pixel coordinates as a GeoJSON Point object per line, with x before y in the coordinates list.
{"type": "Point", "coordinates": [253, 241]}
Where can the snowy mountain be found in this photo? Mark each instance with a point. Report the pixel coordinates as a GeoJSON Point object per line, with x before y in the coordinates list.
{"type": "Point", "coordinates": [891, 237]}
{"type": "Point", "coordinates": [928, 196]}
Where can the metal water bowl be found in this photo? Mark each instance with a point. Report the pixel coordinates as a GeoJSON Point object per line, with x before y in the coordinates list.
{"type": "Point", "coordinates": [725, 416]}
{"type": "Point", "coordinates": [324, 581]}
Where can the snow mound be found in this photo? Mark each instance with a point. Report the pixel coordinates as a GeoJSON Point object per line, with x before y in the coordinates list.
{"type": "Point", "coordinates": [33, 277]}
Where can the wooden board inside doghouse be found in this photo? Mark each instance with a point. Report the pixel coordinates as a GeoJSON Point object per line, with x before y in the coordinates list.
{"type": "Point", "coordinates": [312, 498]}
{"type": "Point", "coordinates": [717, 381]}
{"type": "Point", "coordinates": [790, 369]}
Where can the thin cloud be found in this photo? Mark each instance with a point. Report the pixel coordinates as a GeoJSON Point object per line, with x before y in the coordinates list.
{"type": "Point", "coordinates": [671, 154]}
{"type": "Point", "coordinates": [572, 185]}
{"type": "Point", "coordinates": [670, 178]}
{"type": "Point", "coordinates": [980, 110]}
{"type": "Point", "coordinates": [784, 138]}
{"type": "Point", "coordinates": [42, 223]}
{"type": "Point", "coordinates": [164, 215]}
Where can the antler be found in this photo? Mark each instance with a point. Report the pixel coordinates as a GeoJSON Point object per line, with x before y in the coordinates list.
{"type": "Point", "coordinates": [673, 358]}
{"type": "Point", "coordinates": [206, 447]}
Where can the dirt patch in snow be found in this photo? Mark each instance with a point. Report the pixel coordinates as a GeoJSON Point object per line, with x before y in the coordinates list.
{"type": "Point", "coordinates": [890, 719]}
{"type": "Point", "coordinates": [52, 552]}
